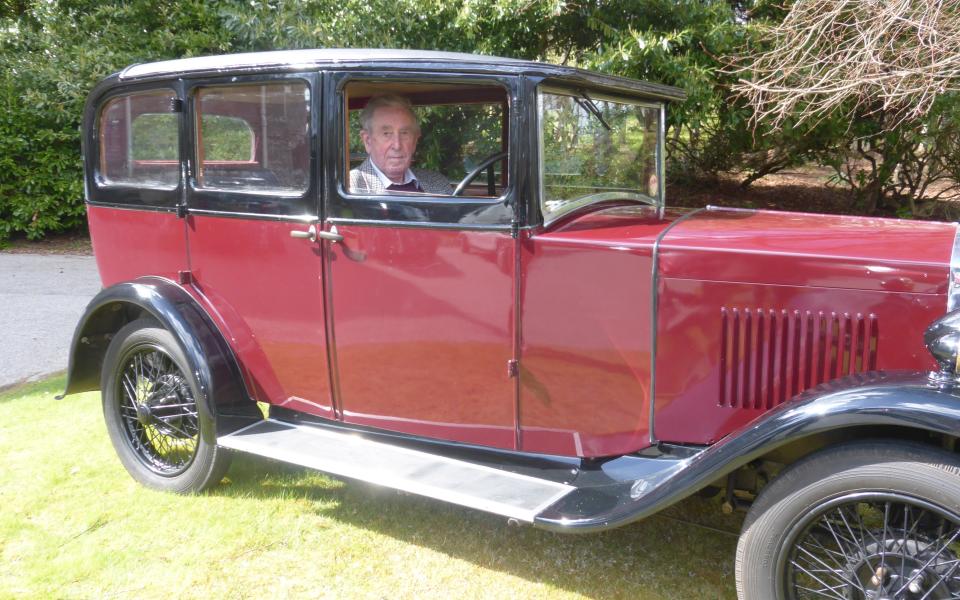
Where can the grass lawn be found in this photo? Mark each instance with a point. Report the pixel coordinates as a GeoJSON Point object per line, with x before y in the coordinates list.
{"type": "Point", "coordinates": [73, 524]}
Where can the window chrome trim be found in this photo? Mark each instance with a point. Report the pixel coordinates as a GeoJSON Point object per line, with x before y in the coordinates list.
{"type": "Point", "coordinates": [569, 207]}
{"type": "Point", "coordinates": [343, 175]}
{"type": "Point", "coordinates": [127, 206]}
{"type": "Point", "coordinates": [419, 224]}
{"type": "Point", "coordinates": [197, 87]}
{"type": "Point", "coordinates": [97, 177]}
{"type": "Point", "coordinates": [103, 183]}
{"type": "Point", "coordinates": [662, 161]}
{"type": "Point", "coordinates": [205, 212]}
{"type": "Point", "coordinates": [953, 285]}
{"type": "Point", "coordinates": [446, 210]}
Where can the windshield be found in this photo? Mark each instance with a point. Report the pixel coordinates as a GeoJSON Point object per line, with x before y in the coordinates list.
{"type": "Point", "coordinates": [594, 148]}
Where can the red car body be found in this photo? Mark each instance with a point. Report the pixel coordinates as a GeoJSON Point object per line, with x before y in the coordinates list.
{"type": "Point", "coordinates": [754, 308]}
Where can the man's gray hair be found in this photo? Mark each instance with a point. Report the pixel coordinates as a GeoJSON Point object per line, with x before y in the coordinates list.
{"type": "Point", "coordinates": [384, 101]}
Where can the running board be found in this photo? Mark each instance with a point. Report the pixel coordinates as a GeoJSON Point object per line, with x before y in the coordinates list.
{"type": "Point", "coordinates": [346, 454]}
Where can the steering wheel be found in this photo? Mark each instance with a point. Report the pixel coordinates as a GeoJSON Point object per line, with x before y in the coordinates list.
{"type": "Point", "coordinates": [485, 163]}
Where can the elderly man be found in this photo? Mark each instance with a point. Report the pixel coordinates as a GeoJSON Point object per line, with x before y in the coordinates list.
{"type": "Point", "coordinates": [390, 132]}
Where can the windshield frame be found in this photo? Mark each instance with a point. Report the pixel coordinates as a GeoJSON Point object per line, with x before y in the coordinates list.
{"type": "Point", "coordinates": [598, 94]}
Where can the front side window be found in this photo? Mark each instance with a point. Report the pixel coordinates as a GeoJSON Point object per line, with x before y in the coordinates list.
{"type": "Point", "coordinates": [253, 138]}
{"type": "Point", "coordinates": [139, 141]}
{"type": "Point", "coordinates": [595, 148]}
{"type": "Point", "coordinates": [428, 139]}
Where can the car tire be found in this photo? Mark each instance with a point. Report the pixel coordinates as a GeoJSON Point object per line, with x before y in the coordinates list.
{"type": "Point", "coordinates": [874, 519]}
{"type": "Point", "coordinates": [150, 407]}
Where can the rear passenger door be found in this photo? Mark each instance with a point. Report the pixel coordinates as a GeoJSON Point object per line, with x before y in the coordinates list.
{"type": "Point", "coordinates": [252, 194]}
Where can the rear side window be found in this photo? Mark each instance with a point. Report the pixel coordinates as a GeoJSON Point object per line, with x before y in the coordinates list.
{"type": "Point", "coordinates": [254, 138]}
{"type": "Point", "coordinates": [139, 141]}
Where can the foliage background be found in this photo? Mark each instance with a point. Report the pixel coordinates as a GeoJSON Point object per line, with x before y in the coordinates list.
{"type": "Point", "coordinates": [52, 53]}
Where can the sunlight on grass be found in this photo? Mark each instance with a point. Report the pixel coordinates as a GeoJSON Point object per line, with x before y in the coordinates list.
{"type": "Point", "coordinates": [75, 525]}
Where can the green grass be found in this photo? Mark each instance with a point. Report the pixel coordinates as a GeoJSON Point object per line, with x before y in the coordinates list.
{"type": "Point", "coordinates": [73, 524]}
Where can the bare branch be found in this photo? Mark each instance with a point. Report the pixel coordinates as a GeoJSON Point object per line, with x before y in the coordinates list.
{"type": "Point", "coordinates": [855, 57]}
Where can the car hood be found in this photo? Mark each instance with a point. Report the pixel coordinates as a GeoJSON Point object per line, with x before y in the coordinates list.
{"type": "Point", "coordinates": [798, 249]}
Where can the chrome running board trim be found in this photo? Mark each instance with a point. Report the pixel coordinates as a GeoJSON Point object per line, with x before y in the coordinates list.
{"type": "Point", "coordinates": [349, 455]}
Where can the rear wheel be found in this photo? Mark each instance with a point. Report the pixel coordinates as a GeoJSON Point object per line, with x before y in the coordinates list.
{"type": "Point", "coordinates": [150, 408]}
{"type": "Point", "coordinates": [864, 521]}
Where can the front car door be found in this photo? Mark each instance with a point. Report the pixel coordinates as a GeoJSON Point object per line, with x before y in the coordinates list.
{"type": "Point", "coordinates": [421, 288]}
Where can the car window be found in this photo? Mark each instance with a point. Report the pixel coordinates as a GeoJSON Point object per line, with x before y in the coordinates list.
{"type": "Point", "coordinates": [458, 128]}
{"type": "Point", "coordinates": [253, 137]}
{"type": "Point", "coordinates": [139, 141]}
{"type": "Point", "coordinates": [596, 148]}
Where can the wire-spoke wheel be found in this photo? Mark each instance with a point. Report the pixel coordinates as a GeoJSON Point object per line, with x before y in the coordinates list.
{"type": "Point", "coordinates": [864, 521]}
{"type": "Point", "coordinates": [159, 411]}
{"type": "Point", "coordinates": [150, 403]}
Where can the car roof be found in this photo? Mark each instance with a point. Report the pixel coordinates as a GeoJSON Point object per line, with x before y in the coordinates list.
{"type": "Point", "coordinates": [387, 59]}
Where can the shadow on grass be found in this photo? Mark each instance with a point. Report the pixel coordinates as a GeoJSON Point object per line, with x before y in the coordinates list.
{"type": "Point", "coordinates": [664, 556]}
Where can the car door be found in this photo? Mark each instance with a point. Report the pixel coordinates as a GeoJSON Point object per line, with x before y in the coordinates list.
{"type": "Point", "coordinates": [252, 197]}
{"type": "Point", "coordinates": [421, 287]}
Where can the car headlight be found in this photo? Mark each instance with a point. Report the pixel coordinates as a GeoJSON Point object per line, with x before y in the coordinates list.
{"type": "Point", "coordinates": [942, 338]}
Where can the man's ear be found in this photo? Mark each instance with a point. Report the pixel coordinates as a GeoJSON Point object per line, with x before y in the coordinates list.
{"type": "Point", "coordinates": [365, 138]}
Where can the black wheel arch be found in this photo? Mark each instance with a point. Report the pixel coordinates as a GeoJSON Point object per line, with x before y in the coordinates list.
{"type": "Point", "coordinates": [897, 406]}
{"type": "Point", "coordinates": [904, 405]}
{"type": "Point", "coordinates": [224, 399]}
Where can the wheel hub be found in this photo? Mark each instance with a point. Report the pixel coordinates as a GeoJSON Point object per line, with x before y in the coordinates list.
{"type": "Point", "coordinates": [903, 570]}
{"type": "Point", "coordinates": [144, 414]}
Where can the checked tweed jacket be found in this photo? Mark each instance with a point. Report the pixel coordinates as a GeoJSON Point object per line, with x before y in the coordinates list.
{"type": "Point", "coordinates": [364, 180]}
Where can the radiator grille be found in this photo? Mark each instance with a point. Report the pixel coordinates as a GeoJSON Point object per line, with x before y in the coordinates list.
{"type": "Point", "coordinates": [768, 356]}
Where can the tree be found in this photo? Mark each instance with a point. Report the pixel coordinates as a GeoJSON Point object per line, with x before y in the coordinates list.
{"type": "Point", "coordinates": [876, 72]}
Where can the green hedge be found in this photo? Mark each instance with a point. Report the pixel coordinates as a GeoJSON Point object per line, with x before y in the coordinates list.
{"type": "Point", "coordinates": [40, 172]}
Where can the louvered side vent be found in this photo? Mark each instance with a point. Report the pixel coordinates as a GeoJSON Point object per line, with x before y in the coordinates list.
{"type": "Point", "coordinates": [769, 356]}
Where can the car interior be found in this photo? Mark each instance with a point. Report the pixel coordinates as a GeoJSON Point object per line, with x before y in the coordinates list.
{"type": "Point", "coordinates": [464, 131]}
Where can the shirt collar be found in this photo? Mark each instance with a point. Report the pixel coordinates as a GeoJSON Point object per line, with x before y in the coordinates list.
{"type": "Point", "coordinates": [407, 177]}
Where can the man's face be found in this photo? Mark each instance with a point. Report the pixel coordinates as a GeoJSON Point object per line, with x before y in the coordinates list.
{"type": "Point", "coordinates": [391, 141]}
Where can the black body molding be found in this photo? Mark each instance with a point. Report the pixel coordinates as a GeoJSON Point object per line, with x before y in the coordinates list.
{"type": "Point", "coordinates": [223, 402]}
{"type": "Point", "coordinates": [659, 479]}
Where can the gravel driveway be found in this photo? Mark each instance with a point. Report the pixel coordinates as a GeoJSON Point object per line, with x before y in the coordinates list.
{"type": "Point", "coordinates": [41, 299]}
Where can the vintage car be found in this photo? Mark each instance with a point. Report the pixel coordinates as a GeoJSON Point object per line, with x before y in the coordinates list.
{"type": "Point", "coordinates": [545, 340]}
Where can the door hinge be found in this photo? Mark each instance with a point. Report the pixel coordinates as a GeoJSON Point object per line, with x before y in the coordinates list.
{"type": "Point", "coordinates": [182, 210]}
{"type": "Point", "coordinates": [185, 277]}
{"type": "Point", "coordinates": [513, 368]}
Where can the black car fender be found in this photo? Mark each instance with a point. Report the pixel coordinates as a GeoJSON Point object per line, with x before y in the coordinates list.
{"type": "Point", "coordinates": [633, 487]}
{"type": "Point", "coordinates": [223, 399]}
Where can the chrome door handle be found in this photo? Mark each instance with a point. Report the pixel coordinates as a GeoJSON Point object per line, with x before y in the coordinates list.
{"type": "Point", "coordinates": [309, 234]}
{"type": "Point", "coordinates": [332, 235]}
{"type": "Point", "coordinates": [312, 234]}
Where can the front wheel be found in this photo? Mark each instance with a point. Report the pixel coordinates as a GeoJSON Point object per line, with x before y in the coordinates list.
{"type": "Point", "coordinates": [151, 412]}
{"type": "Point", "coordinates": [864, 521]}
